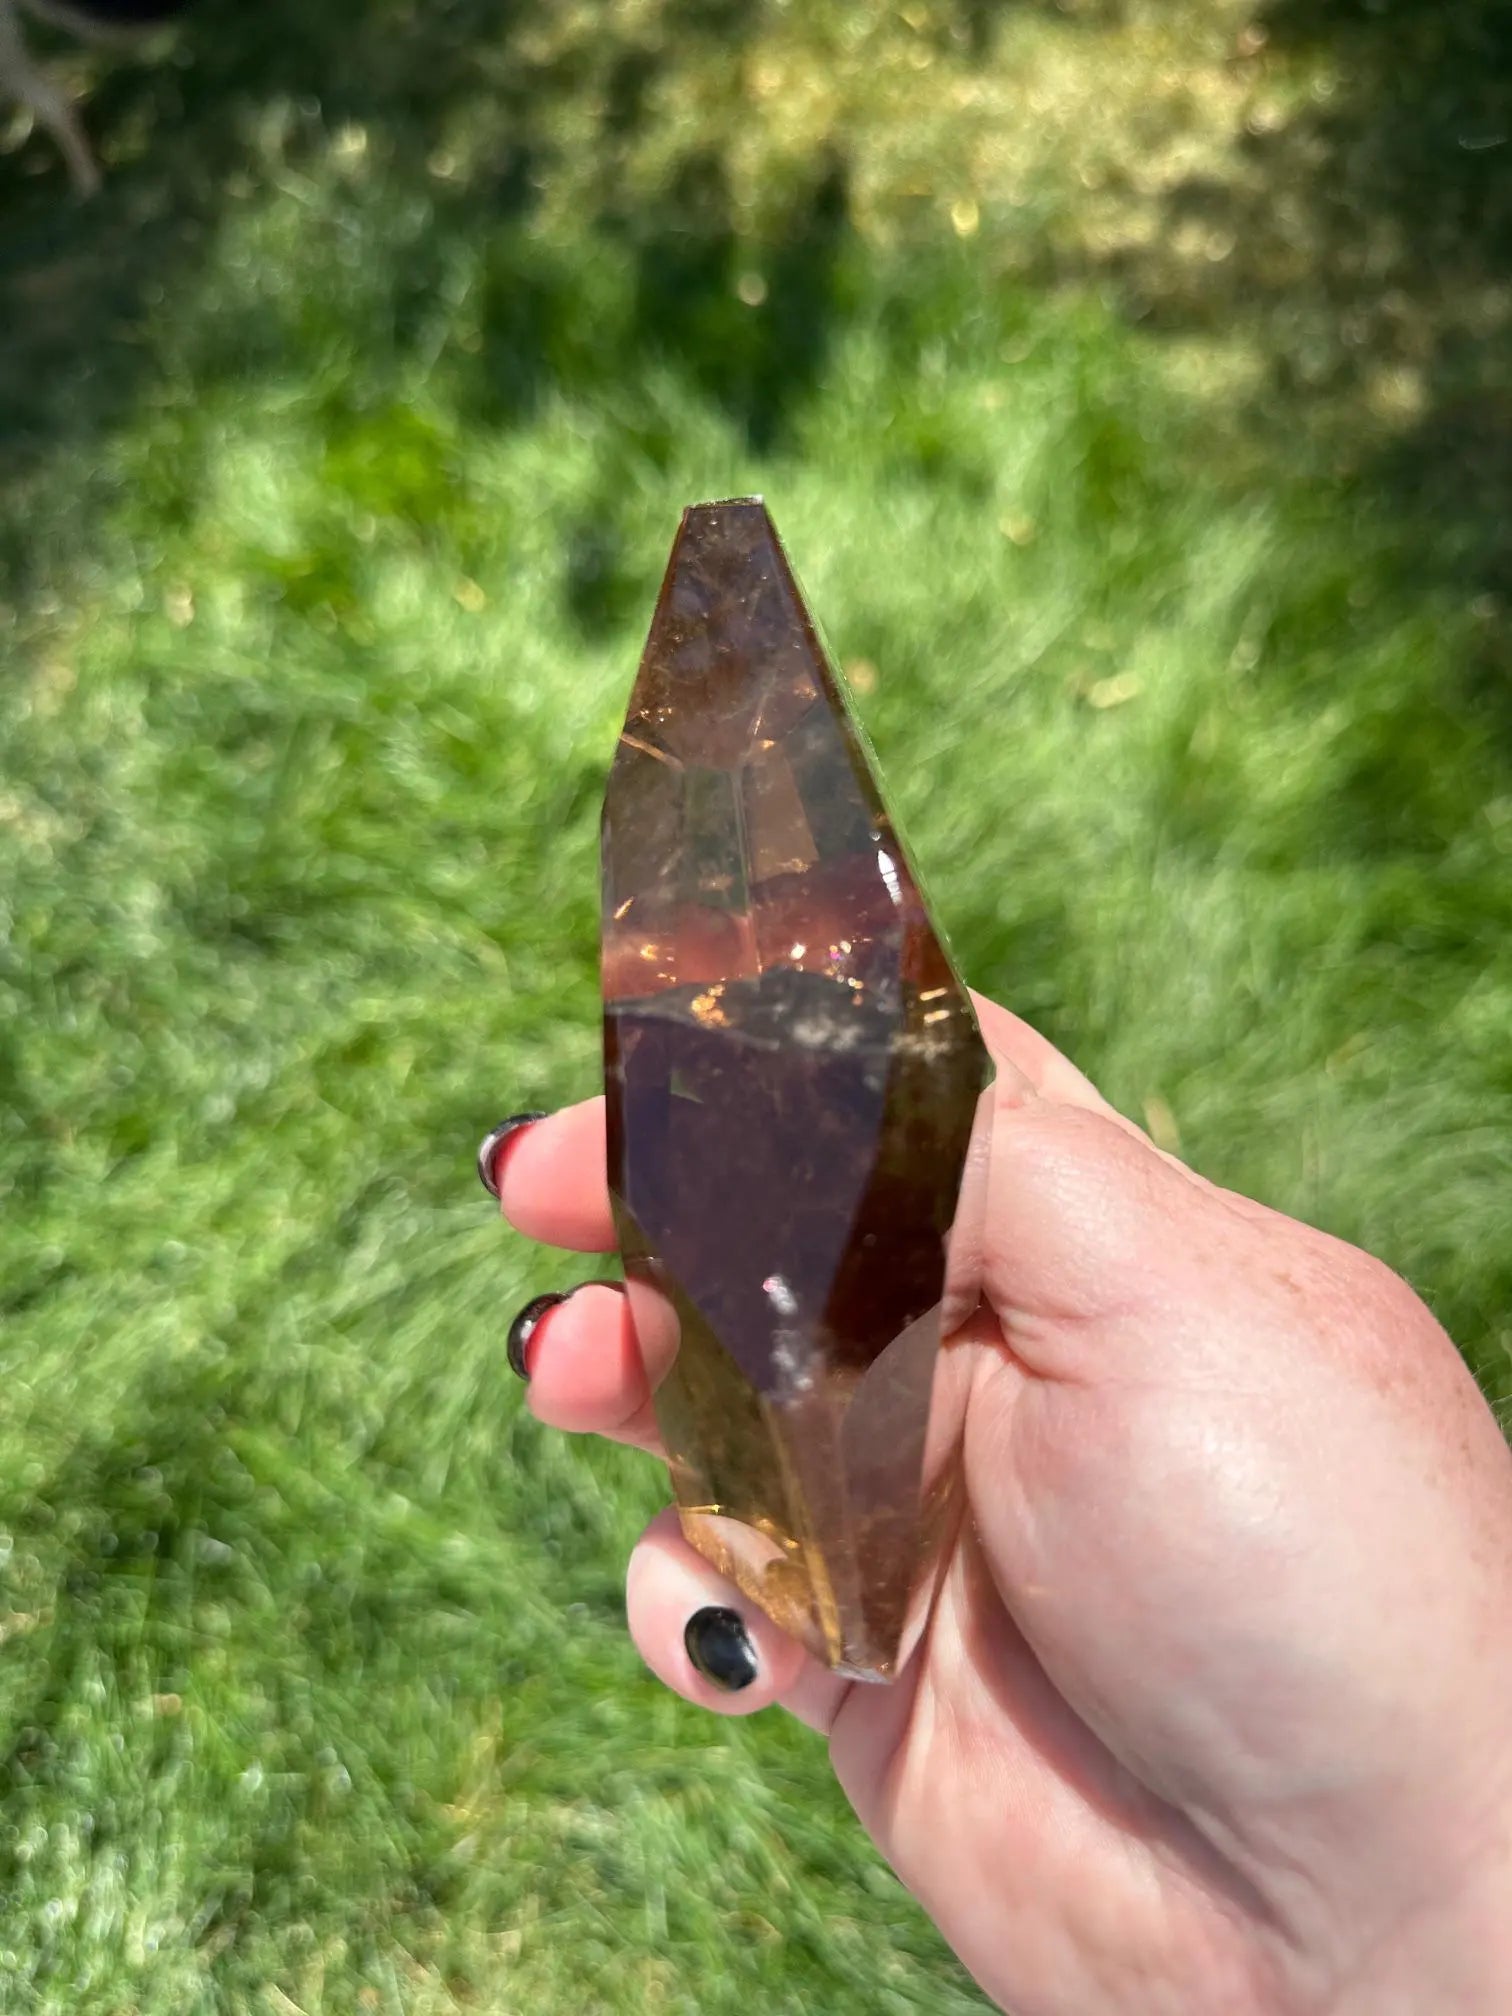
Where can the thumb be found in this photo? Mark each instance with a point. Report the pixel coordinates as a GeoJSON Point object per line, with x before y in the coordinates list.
{"type": "Point", "coordinates": [1086, 1220]}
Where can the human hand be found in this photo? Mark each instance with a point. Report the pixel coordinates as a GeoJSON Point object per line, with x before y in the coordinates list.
{"type": "Point", "coordinates": [1213, 1712]}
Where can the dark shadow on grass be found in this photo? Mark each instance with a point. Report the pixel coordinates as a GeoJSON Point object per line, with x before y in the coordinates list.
{"type": "Point", "coordinates": [1364, 248]}
{"type": "Point", "coordinates": [254, 93]}
{"type": "Point", "coordinates": [1422, 142]}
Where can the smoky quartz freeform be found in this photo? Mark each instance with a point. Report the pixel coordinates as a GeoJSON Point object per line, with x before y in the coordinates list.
{"type": "Point", "coordinates": [795, 1082]}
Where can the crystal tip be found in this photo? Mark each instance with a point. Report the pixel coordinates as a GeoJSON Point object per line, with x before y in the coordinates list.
{"type": "Point", "coordinates": [724, 504]}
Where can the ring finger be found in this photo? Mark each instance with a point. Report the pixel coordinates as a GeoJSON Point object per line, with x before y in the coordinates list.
{"type": "Point", "coordinates": [702, 1637]}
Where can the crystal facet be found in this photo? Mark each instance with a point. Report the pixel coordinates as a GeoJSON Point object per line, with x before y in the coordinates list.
{"type": "Point", "coordinates": [794, 1077]}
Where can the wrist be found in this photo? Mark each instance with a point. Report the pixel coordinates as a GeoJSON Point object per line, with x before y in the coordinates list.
{"type": "Point", "coordinates": [1448, 1952]}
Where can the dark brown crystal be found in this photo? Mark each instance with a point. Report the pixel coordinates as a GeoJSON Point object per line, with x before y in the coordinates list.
{"type": "Point", "coordinates": [794, 1072]}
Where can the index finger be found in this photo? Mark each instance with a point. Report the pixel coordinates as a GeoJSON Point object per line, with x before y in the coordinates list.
{"type": "Point", "coordinates": [553, 1180]}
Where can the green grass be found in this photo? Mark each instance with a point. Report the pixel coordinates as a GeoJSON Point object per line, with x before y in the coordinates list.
{"type": "Point", "coordinates": [1130, 385]}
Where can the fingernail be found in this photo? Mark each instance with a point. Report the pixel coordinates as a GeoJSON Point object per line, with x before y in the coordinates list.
{"type": "Point", "coordinates": [718, 1645]}
{"type": "Point", "coordinates": [522, 1330]}
{"type": "Point", "coordinates": [488, 1154]}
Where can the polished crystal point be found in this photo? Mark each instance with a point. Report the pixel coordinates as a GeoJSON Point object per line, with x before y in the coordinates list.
{"type": "Point", "coordinates": [794, 1075]}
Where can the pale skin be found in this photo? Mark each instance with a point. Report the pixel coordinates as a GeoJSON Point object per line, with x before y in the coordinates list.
{"type": "Point", "coordinates": [1213, 1714]}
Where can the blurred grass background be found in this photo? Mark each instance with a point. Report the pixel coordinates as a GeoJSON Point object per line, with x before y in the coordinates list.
{"type": "Point", "coordinates": [1131, 383]}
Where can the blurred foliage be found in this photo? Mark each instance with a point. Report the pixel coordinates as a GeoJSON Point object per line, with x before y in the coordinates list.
{"type": "Point", "coordinates": [1132, 384]}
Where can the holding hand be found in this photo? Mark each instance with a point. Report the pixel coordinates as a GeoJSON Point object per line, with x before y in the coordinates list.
{"type": "Point", "coordinates": [1214, 1709]}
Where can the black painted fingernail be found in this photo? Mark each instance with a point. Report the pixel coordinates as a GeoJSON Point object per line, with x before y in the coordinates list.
{"type": "Point", "coordinates": [720, 1648]}
{"type": "Point", "coordinates": [523, 1329]}
{"type": "Point", "coordinates": [488, 1154]}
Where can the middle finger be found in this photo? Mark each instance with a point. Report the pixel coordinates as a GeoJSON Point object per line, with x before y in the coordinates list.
{"type": "Point", "coordinates": [593, 1359]}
